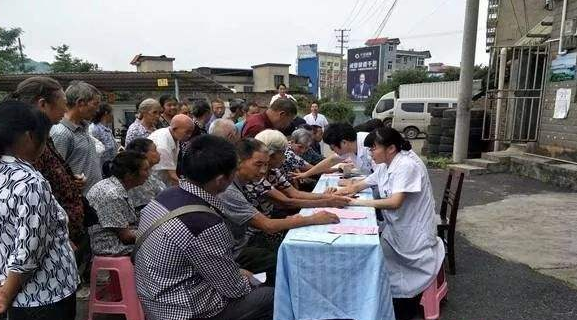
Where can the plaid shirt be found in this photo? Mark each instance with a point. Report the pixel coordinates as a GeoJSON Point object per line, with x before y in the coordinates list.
{"type": "Point", "coordinates": [185, 269]}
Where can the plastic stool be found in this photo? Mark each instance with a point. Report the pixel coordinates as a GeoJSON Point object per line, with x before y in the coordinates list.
{"type": "Point", "coordinates": [122, 287]}
{"type": "Point", "coordinates": [433, 295]}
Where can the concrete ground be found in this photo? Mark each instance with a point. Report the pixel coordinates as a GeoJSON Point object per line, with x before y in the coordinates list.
{"type": "Point", "coordinates": [515, 235]}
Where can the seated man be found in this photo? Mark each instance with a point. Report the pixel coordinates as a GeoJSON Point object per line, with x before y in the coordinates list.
{"type": "Point", "coordinates": [113, 235]}
{"type": "Point", "coordinates": [242, 214]}
{"type": "Point", "coordinates": [167, 141]}
{"type": "Point", "coordinates": [185, 268]}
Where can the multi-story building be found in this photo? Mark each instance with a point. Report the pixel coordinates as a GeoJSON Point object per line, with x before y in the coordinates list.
{"type": "Point", "coordinates": [332, 75]}
{"type": "Point", "coordinates": [393, 58]}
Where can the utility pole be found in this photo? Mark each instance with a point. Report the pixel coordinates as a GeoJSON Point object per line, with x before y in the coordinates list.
{"type": "Point", "coordinates": [343, 39]}
{"type": "Point", "coordinates": [461, 142]}
{"type": "Point", "coordinates": [22, 69]}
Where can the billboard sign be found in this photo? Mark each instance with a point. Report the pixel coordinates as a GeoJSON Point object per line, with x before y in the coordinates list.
{"type": "Point", "coordinates": [363, 72]}
{"type": "Point", "coordinates": [306, 51]}
{"type": "Point", "coordinates": [310, 67]}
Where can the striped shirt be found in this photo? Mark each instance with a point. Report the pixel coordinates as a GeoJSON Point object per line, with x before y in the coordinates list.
{"type": "Point", "coordinates": [76, 147]}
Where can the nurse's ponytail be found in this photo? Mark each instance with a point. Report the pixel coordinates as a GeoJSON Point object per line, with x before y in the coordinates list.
{"type": "Point", "coordinates": [386, 137]}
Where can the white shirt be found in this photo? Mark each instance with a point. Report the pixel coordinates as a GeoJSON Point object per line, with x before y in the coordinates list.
{"type": "Point", "coordinates": [166, 147]}
{"type": "Point", "coordinates": [362, 159]}
{"type": "Point", "coordinates": [276, 96]}
{"type": "Point", "coordinates": [413, 252]}
{"type": "Point", "coordinates": [320, 120]}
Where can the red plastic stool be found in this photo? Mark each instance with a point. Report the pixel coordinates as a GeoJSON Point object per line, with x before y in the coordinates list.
{"type": "Point", "coordinates": [433, 295]}
{"type": "Point", "coordinates": [122, 288]}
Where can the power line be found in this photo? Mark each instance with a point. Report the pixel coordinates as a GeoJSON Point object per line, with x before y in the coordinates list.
{"type": "Point", "coordinates": [373, 11]}
{"type": "Point", "coordinates": [357, 15]}
{"type": "Point", "coordinates": [350, 13]}
{"type": "Point", "coordinates": [343, 39]}
{"type": "Point", "coordinates": [385, 20]}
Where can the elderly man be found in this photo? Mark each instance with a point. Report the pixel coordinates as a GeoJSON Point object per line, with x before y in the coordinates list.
{"type": "Point", "coordinates": [71, 137]}
{"type": "Point", "coordinates": [224, 128]}
{"type": "Point", "coordinates": [278, 116]}
{"type": "Point", "coordinates": [185, 268]}
{"type": "Point", "coordinates": [167, 143]}
{"type": "Point", "coordinates": [218, 110]}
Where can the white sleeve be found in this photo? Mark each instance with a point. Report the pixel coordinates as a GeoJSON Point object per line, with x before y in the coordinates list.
{"type": "Point", "coordinates": [406, 178]}
{"type": "Point", "coordinates": [167, 161]}
{"type": "Point", "coordinates": [373, 178]}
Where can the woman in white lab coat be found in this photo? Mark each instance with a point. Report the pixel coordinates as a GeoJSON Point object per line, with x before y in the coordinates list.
{"type": "Point", "coordinates": [413, 253]}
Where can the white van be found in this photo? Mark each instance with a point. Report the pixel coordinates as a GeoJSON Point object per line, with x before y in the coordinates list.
{"type": "Point", "coordinates": [384, 108]}
{"type": "Point", "coordinates": [412, 117]}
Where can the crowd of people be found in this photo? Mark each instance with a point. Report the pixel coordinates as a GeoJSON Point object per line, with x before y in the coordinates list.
{"type": "Point", "coordinates": [231, 182]}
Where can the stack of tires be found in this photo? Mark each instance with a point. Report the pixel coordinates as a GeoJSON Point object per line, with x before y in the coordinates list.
{"type": "Point", "coordinates": [431, 144]}
{"type": "Point", "coordinates": [476, 145]}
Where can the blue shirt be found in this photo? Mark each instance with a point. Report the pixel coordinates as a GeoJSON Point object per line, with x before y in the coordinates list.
{"type": "Point", "coordinates": [104, 134]}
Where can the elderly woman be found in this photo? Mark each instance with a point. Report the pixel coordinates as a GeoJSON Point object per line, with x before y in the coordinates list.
{"type": "Point", "coordinates": [142, 195]}
{"type": "Point", "coordinates": [283, 192]}
{"type": "Point", "coordinates": [100, 129]}
{"type": "Point", "coordinates": [114, 235]}
{"type": "Point", "coordinates": [201, 114]}
{"type": "Point", "coordinates": [301, 141]}
{"type": "Point", "coordinates": [413, 252]}
{"type": "Point", "coordinates": [38, 274]}
{"type": "Point", "coordinates": [148, 114]}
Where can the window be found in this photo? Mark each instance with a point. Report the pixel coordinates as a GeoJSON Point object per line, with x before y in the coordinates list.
{"type": "Point", "coordinates": [337, 65]}
{"type": "Point", "coordinates": [384, 105]}
{"type": "Point", "coordinates": [417, 107]}
{"type": "Point", "coordinates": [389, 65]}
{"type": "Point", "coordinates": [398, 60]}
{"type": "Point", "coordinates": [329, 64]}
{"type": "Point", "coordinates": [438, 105]}
{"type": "Point", "coordinates": [247, 89]}
{"type": "Point", "coordinates": [405, 59]}
{"type": "Point", "coordinates": [455, 105]}
{"type": "Point", "coordinates": [420, 61]}
{"type": "Point", "coordinates": [391, 48]}
{"type": "Point", "coordinates": [278, 79]}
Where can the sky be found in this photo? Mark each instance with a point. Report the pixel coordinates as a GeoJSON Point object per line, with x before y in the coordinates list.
{"type": "Point", "coordinates": [229, 33]}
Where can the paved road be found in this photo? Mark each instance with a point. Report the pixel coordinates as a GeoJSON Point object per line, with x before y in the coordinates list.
{"type": "Point", "coordinates": [487, 287]}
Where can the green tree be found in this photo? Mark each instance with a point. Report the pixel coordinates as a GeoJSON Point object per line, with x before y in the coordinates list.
{"type": "Point", "coordinates": [10, 60]}
{"type": "Point", "coordinates": [65, 62]}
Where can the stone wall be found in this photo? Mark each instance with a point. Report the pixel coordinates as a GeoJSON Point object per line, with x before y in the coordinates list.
{"type": "Point", "coordinates": [558, 137]}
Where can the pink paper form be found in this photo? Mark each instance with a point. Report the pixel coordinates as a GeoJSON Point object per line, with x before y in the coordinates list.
{"type": "Point", "coordinates": [338, 229]}
{"type": "Point", "coordinates": [344, 213]}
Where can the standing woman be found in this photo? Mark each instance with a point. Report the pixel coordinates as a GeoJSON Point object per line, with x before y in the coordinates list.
{"type": "Point", "coordinates": [100, 129]}
{"type": "Point", "coordinates": [148, 114]}
{"type": "Point", "coordinates": [38, 274]}
{"type": "Point", "coordinates": [413, 252]}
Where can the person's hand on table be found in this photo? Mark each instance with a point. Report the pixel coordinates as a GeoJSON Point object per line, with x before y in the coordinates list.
{"type": "Point", "coordinates": [338, 201]}
{"type": "Point", "coordinates": [323, 217]}
{"type": "Point", "coordinates": [330, 190]}
{"type": "Point", "coordinates": [345, 182]}
{"type": "Point", "coordinates": [297, 175]}
{"type": "Point", "coordinates": [344, 192]}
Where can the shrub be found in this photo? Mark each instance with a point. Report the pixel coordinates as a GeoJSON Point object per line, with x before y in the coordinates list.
{"type": "Point", "coordinates": [341, 111]}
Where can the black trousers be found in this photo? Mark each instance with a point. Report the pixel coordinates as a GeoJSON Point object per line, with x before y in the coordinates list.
{"type": "Point", "coordinates": [257, 305]}
{"type": "Point", "coordinates": [407, 308]}
{"type": "Point", "coordinates": [257, 260]}
{"type": "Point", "coordinates": [62, 310]}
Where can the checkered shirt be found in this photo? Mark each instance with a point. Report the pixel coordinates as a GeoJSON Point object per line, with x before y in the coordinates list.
{"type": "Point", "coordinates": [185, 268]}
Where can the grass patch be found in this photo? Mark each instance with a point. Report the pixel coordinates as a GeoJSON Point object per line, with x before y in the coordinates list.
{"type": "Point", "coordinates": [436, 162]}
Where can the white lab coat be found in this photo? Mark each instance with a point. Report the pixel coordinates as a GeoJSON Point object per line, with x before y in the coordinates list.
{"type": "Point", "coordinates": [413, 253]}
{"type": "Point", "coordinates": [362, 159]}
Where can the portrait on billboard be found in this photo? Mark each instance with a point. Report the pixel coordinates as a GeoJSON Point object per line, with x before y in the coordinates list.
{"type": "Point", "coordinates": [362, 72]}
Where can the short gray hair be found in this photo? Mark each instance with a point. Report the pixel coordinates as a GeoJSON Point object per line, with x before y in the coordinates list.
{"type": "Point", "coordinates": [221, 127]}
{"type": "Point", "coordinates": [274, 140]}
{"type": "Point", "coordinates": [302, 136]}
{"type": "Point", "coordinates": [80, 90]}
{"type": "Point", "coordinates": [148, 104]}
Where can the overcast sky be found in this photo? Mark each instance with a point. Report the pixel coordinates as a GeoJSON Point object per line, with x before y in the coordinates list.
{"type": "Point", "coordinates": [231, 33]}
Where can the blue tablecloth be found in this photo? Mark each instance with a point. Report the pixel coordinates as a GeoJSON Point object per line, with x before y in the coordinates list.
{"type": "Point", "coordinates": [343, 280]}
